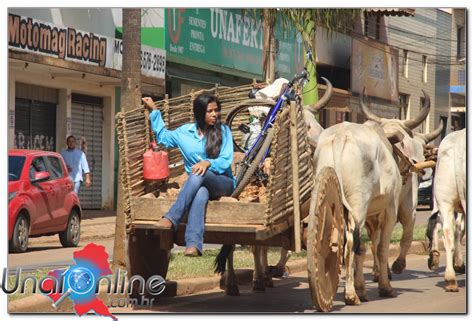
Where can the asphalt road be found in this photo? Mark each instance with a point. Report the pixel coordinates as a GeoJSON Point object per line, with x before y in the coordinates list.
{"type": "Point", "coordinates": [53, 255]}
{"type": "Point", "coordinates": [419, 291]}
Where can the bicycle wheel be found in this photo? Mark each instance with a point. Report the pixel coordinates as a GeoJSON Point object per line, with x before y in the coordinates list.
{"type": "Point", "coordinates": [240, 116]}
{"type": "Point", "coordinates": [245, 174]}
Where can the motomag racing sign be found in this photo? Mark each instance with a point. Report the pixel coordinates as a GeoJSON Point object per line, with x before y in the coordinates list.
{"type": "Point", "coordinates": [31, 35]}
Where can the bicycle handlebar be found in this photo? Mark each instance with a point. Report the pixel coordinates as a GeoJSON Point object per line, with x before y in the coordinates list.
{"type": "Point", "coordinates": [299, 76]}
{"type": "Point", "coordinates": [304, 73]}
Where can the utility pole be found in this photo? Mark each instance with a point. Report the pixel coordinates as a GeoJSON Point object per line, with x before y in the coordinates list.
{"type": "Point", "coordinates": [130, 98]}
{"type": "Point", "coordinates": [269, 56]}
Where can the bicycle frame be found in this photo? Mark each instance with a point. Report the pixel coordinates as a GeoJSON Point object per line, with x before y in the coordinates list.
{"type": "Point", "coordinates": [270, 119]}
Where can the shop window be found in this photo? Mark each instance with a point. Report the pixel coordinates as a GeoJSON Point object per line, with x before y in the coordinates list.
{"type": "Point", "coordinates": [377, 27]}
{"type": "Point", "coordinates": [461, 77]}
{"type": "Point", "coordinates": [445, 126]}
{"type": "Point", "coordinates": [404, 101]}
{"type": "Point", "coordinates": [405, 63]}
{"type": "Point", "coordinates": [460, 52]}
{"type": "Point", "coordinates": [422, 126]}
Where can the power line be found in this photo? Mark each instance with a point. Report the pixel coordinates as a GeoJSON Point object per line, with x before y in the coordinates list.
{"type": "Point", "coordinates": [345, 30]}
{"type": "Point", "coordinates": [424, 36]}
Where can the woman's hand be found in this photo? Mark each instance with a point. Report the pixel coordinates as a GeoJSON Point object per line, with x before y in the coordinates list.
{"type": "Point", "coordinates": [200, 168]}
{"type": "Point", "coordinates": [149, 103]}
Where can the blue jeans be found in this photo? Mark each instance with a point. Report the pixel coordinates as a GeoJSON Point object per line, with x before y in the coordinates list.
{"type": "Point", "coordinates": [193, 199]}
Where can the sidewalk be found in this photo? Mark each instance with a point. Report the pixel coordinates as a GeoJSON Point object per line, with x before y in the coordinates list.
{"type": "Point", "coordinates": [95, 225]}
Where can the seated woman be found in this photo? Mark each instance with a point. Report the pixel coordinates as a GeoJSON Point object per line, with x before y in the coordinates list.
{"type": "Point", "coordinates": [207, 149]}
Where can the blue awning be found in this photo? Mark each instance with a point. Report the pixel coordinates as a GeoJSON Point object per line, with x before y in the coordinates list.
{"type": "Point", "coordinates": [457, 89]}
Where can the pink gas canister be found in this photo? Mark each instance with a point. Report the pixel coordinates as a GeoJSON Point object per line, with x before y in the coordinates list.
{"type": "Point", "coordinates": [155, 164]}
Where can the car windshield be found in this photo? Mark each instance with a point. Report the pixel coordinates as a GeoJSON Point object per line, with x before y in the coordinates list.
{"type": "Point", "coordinates": [15, 166]}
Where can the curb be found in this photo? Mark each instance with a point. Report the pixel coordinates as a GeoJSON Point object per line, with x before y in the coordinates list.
{"type": "Point", "coordinates": [40, 303]}
{"type": "Point", "coordinates": [84, 238]}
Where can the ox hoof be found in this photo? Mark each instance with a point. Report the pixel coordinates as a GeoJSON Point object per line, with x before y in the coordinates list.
{"type": "Point", "coordinates": [352, 300]}
{"type": "Point", "coordinates": [363, 297]}
{"type": "Point", "coordinates": [398, 266]}
{"type": "Point", "coordinates": [460, 268]}
{"type": "Point", "coordinates": [387, 293]}
{"type": "Point", "coordinates": [258, 286]}
{"type": "Point", "coordinates": [275, 272]}
{"type": "Point", "coordinates": [375, 278]}
{"type": "Point", "coordinates": [451, 286]}
{"type": "Point", "coordinates": [268, 282]}
{"type": "Point", "coordinates": [232, 290]}
{"type": "Point", "coordinates": [433, 261]}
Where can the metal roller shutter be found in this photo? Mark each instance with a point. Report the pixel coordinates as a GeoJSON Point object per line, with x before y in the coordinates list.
{"type": "Point", "coordinates": [87, 125]}
{"type": "Point", "coordinates": [35, 124]}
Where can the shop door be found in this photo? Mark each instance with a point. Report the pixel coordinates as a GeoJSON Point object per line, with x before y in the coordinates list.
{"type": "Point", "coordinates": [87, 122]}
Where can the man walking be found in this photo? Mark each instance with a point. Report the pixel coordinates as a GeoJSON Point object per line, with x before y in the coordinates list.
{"type": "Point", "coordinates": [76, 163]}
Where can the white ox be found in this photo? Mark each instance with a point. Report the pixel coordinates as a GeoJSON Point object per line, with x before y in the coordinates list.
{"type": "Point", "coordinates": [450, 197]}
{"type": "Point", "coordinates": [361, 156]}
{"type": "Point", "coordinates": [412, 146]}
{"type": "Point", "coordinates": [264, 273]}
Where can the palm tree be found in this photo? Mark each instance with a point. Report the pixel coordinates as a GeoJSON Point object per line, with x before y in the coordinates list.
{"type": "Point", "coordinates": [305, 21]}
{"type": "Point", "coordinates": [130, 98]}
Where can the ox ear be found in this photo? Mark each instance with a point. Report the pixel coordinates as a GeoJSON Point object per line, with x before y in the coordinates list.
{"type": "Point", "coordinates": [395, 136]}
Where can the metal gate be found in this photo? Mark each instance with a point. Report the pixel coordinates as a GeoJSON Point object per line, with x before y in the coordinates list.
{"type": "Point", "coordinates": [87, 122]}
{"type": "Point", "coordinates": [35, 124]}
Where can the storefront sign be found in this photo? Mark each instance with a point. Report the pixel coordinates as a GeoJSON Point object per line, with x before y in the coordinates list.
{"type": "Point", "coordinates": [374, 66]}
{"type": "Point", "coordinates": [31, 35]}
{"type": "Point", "coordinates": [228, 38]}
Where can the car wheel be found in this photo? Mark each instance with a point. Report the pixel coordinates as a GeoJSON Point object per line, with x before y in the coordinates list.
{"type": "Point", "coordinates": [21, 233]}
{"type": "Point", "coordinates": [71, 236]}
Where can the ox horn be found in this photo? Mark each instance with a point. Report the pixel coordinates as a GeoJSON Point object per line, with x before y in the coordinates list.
{"type": "Point", "coordinates": [324, 100]}
{"type": "Point", "coordinates": [432, 135]}
{"type": "Point", "coordinates": [413, 123]}
{"type": "Point", "coordinates": [365, 110]}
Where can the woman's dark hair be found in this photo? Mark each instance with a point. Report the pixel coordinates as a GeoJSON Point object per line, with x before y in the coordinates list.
{"type": "Point", "coordinates": [212, 134]}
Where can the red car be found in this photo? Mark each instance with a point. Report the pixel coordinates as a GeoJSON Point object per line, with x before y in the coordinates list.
{"type": "Point", "coordinates": [41, 199]}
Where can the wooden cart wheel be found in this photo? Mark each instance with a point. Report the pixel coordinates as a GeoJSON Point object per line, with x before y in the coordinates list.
{"type": "Point", "coordinates": [145, 258]}
{"type": "Point", "coordinates": [325, 239]}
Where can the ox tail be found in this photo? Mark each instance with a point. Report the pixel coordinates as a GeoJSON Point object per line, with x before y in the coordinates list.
{"type": "Point", "coordinates": [339, 143]}
{"type": "Point", "coordinates": [430, 228]}
{"type": "Point", "coordinates": [460, 156]}
{"type": "Point", "coordinates": [357, 240]}
{"type": "Point", "coordinates": [221, 258]}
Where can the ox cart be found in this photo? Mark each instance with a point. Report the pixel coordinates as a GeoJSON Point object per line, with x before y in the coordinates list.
{"type": "Point", "coordinates": [300, 210]}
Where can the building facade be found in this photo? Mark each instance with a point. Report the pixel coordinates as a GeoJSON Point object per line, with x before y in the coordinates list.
{"type": "Point", "coordinates": [425, 43]}
{"type": "Point", "coordinates": [64, 73]}
{"type": "Point", "coordinates": [457, 87]}
{"type": "Point", "coordinates": [396, 54]}
{"type": "Point", "coordinates": [213, 46]}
